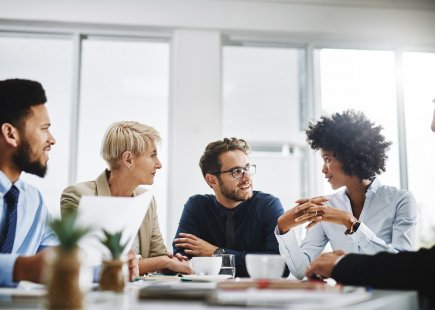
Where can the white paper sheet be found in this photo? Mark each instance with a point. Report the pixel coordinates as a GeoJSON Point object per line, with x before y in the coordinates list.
{"type": "Point", "coordinates": [294, 299]}
{"type": "Point", "coordinates": [24, 289]}
{"type": "Point", "coordinates": [113, 214]}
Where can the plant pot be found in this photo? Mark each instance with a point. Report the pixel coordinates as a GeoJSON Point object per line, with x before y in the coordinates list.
{"type": "Point", "coordinates": [112, 276]}
{"type": "Point", "coordinates": [63, 280]}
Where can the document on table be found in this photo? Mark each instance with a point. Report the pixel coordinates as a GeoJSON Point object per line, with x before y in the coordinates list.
{"type": "Point", "coordinates": [306, 299]}
{"type": "Point", "coordinates": [177, 290]}
{"type": "Point", "coordinates": [113, 214]}
{"type": "Point", "coordinates": [24, 289]}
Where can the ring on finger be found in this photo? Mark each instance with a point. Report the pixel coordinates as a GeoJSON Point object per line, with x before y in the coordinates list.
{"type": "Point", "coordinates": [316, 213]}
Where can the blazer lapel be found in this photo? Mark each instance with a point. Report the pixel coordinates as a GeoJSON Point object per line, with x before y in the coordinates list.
{"type": "Point", "coordinates": [103, 188]}
{"type": "Point", "coordinates": [144, 231]}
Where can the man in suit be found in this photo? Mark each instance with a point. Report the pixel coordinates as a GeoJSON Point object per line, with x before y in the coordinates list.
{"type": "Point", "coordinates": [405, 270]}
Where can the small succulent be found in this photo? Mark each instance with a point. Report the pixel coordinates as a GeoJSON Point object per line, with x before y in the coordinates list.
{"type": "Point", "coordinates": [67, 233]}
{"type": "Point", "coordinates": [113, 243]}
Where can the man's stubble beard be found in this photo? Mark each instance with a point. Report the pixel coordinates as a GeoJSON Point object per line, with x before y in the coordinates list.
{"type": "Point", "coordinates": [23, 161]}
{"type": "Point", "coordinates": [231, 194]}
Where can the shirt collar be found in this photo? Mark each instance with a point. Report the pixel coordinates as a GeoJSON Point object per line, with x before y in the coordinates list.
{"type": "Point", "coordinates": [371, 190]}
{"type": "Point", "coordinates": [6, 184]}
{"type": "Point", "coordinates": [374, 186]}
{"type": "Point", "coordinates": [103, 188]}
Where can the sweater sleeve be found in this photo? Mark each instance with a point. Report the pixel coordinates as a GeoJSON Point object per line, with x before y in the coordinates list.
{"type": "Point", "coordinates": [188, 224]}
{"type": "Point", "coordinates": [404, 270]}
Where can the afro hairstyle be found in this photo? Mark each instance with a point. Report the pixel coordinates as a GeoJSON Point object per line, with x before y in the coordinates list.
{"type": "Point", "coordinates": [354, 140]}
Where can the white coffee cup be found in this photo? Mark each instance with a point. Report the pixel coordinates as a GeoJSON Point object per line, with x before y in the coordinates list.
{"type": "Point", "coordinates": [265, 266]}
{"type": "Point", "coordinates": [206, 265]}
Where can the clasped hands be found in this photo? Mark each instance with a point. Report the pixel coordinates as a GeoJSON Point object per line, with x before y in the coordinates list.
{"type": "Point", "coordinates": [306, 210]}
{"type": "Point", "coordinates": [313, 210]}
{"type": "Point", "coordinates": [194, 246]}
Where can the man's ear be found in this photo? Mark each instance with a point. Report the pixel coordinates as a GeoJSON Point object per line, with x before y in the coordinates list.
{"type": "Point", "coordinates": [211, 180]}
{"type": "Point", "coordinates": [127, 159]}
{"type": "Point", "coordinates": [10, 134]}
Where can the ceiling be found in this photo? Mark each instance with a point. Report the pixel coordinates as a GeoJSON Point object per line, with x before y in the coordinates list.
{"type": "Point", "coordinates": [398, 4]}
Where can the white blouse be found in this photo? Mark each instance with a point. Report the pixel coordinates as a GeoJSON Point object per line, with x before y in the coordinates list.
{"type": "Point", "coordinates": [388, 221]}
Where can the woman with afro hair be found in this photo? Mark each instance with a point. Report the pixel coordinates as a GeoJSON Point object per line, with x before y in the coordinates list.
{"type": "Point", "coordinates": [366, 216]}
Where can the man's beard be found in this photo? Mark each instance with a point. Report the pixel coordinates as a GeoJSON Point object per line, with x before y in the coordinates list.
{"type": "Point", "coordinates": [23, 161]}
{"type": "Point", "coordinates": [232, 194]}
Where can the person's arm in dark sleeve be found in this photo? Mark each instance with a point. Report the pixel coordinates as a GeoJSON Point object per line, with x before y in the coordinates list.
{"type": "Point", "coordinates": [405, 270]}
{"type": "Point", "coordinates": [270, 211]}
{"type": "Point", "coordinates": [188, 224]}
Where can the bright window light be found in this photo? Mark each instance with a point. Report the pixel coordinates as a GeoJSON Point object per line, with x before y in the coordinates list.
{"type": "Point", "coordinates": [364, 81]}
{"type": "Point", "coordinates": [419, 91]}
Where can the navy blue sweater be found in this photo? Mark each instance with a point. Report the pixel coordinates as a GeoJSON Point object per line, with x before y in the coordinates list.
{"type": "Point", "coordinates": [255, 221]}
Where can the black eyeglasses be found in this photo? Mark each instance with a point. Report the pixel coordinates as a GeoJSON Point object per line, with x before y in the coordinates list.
{"type": "Point", "coordinates": [239, 172]}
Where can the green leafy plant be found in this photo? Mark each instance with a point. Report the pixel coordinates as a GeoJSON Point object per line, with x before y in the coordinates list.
{"type": "Point", "coordinates": [67, 233]}
{"type": "Point", "coordinates": [113, 243]}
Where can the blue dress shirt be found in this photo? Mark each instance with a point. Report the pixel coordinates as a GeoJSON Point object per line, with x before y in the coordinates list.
{"type": "Point", "coordinates": [388, 220]}
{"type": "Point", "coordinates": [254, 219]}
{"type": "Point", "coordinates": [33, 232]}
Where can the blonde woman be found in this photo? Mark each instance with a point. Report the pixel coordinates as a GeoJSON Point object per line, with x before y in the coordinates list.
{"type": "Point", "coordinates": [129, 148]}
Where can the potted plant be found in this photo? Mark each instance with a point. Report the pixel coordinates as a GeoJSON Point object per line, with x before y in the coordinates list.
{"type": "Point", "coordinates": [112, 277]}
{"type": "Point", "coordinates": [63, 276]}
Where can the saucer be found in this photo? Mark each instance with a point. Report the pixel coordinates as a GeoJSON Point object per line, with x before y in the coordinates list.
{"type": "Point", "coordinates": [205, 278]}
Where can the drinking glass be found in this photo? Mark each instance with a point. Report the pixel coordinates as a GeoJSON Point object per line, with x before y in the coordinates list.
{"type": "Point", "coordinates": [228, 264]}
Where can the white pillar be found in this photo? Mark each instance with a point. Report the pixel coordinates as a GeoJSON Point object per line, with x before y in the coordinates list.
{"type": "Point", "coordinates": [195, 115]}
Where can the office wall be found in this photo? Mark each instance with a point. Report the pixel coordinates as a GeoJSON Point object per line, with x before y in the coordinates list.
{"type": "Point", "coordinates": [382, 24]}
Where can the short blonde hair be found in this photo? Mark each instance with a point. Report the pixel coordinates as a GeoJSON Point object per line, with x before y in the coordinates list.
{"type": "Point", "coordinates": [126, 136]}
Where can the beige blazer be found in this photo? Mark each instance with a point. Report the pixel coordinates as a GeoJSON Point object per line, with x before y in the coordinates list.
{"type": "Point", "coordinates": [150, 237]}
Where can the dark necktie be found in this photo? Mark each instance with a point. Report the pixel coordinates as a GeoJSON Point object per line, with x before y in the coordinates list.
{"type": "Point", "coordinates": [230, 234]}
{"type": "Point", "coordinates": [11, 199]}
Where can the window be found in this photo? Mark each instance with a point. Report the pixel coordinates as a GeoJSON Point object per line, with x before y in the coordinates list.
{"type": "Point", "coordinates": [418, 81]}
{"type": "Point", "coordinates": [261, 104]}
{"type": "Point", "coordinates": [120, 79]}
{"type": "Point", "coordinates": [123, 80]}
{"type": "Point", "coordinates": [364, 81]}
{"type": "Point", "coordinates": [47, 59]}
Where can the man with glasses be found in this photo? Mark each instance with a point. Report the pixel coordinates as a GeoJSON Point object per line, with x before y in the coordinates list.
{"type": "Point", "coordinates": [236, 220]}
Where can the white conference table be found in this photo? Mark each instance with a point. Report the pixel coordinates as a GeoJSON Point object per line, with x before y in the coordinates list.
{"type": "Point", "coordinates": [378, 299]}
